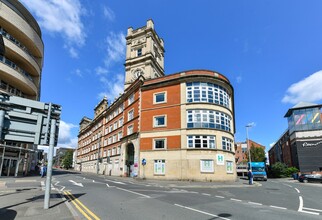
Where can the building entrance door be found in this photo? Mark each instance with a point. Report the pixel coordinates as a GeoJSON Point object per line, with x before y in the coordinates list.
{"type": "Point", "coordinates": [130, 159]}
{"type": "Point", "coordinates": [9, 167]}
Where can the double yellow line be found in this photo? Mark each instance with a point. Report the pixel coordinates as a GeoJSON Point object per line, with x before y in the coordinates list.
{"type": "Point", "coordinates": [81, 207]}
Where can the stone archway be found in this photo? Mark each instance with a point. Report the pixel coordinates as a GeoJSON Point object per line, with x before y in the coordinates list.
{"type": "Point", "coordinates": [129, 161]}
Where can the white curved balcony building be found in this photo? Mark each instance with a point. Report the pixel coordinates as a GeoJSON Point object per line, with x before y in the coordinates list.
{"type": "Point", "coordinates": [22, 59]}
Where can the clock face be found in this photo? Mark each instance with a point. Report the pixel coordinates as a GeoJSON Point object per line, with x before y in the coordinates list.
{"type": "Point", "coordinates": [137, 73]}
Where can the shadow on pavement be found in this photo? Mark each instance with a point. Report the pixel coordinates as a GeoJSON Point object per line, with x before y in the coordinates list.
{"type": "Point", "coordinates": [9, 214]}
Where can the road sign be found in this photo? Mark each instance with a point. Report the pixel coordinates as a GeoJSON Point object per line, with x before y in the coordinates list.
{"type": "Point", "coordinates": [27, 121]}
{"type": "Point", "coordinates": [143, 161]}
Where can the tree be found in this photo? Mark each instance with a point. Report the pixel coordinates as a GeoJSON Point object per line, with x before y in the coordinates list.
{"type": "Point", "coordinates": [257, 154]}
{"type": "Point", "coordinates": [68, 159]}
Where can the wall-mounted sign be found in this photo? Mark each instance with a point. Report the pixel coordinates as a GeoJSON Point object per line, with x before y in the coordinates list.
{"type": "Point", "coordinates": [311, 144]}
{"type": "Point", "coordinates": [220, 159]}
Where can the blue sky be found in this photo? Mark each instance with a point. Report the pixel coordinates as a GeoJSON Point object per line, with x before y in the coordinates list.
{"type": "Point", "coordinates": [270, 50]}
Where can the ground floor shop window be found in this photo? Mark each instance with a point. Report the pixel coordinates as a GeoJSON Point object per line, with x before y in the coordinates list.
{"type": "Point", "coordinates": [206, 166]}
{"type": "Point", "coordinates": [159, 167]}
{"type": "Point", "coordinates": [229, 166]}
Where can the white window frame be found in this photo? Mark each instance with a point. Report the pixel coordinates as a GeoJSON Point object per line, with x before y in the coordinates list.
{"type": "Point", "coordinates": [208, 92]}
{"type": "Point", "coordinates": [121, 122]}
{"type": "Point", "coordinates": [131, 99]}
{"type": "Point", "coordinates": [128, 129]}
{"type": "Point", "coordinates": [130, 115]}
{"type": "Point", "coordinates": [227, 143]}
{"type": "Point", "coordinates": [228, 170]}
{"type": "Point", "coordinates": [160, 139]}
{"type": "Point", "coordinates": [205, 118]}
{"type": "Point", "coordinates": [207, 166]}
{"type": "Point", "coordinates": [155, 125]}
{"type": "Point", "coordinates": [155, 97]}
{"type": "Point", "coordinates": [159, 167]}
{"type": "Point", "coordinates": [209, 139]}
{"type": "Point", "coordinates": [119, 135]}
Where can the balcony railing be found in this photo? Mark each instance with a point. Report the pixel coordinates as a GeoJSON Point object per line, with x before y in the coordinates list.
{"type": "Point", "coordinates": [15, 67]}
{"type": "Point", "coordinates": [4, 33]}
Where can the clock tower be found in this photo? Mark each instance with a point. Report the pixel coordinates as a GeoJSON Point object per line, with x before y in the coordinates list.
{"type": "Point", "coordinates": [144, 54]}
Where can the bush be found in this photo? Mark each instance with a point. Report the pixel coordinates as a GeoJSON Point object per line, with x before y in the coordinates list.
{"type": "Point", "coordinates": [290, 171]}
{"type": "Point", "coordinates": [281, 170]}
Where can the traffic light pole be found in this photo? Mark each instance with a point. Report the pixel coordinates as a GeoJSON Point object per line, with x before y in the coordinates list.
{"type": "Point", "coordinates": [50, 163]}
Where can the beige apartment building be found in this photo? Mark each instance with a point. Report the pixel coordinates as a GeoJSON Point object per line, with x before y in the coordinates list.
{"type": "Point", "coordinates": [176, 126]}
{"type": "Point", "coordinates": [21, 59]}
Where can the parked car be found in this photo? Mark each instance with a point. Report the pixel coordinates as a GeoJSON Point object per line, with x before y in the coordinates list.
{"type": "Point", "coordinates": [305, 178]}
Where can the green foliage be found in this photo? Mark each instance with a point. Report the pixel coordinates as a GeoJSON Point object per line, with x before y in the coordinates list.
{"type": "Point", "coordinates": [281, 170]}
{"type": "Point", "coordinates": [68, 159]}
{"type": "Point", "coordinates": [257, 154]}
{"type": "Point", "coordinates": [290, 171]}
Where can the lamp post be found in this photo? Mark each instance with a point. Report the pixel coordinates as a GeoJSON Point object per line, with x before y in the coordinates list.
{"type": "Point", "coordinates": [248, 148]}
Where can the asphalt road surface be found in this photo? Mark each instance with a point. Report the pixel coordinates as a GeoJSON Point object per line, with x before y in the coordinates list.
{"type": "Point", "coordinates": [102, 197]}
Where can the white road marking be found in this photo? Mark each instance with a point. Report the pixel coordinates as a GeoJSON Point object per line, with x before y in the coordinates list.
{"type": "Point", "coordinates": [93, 181]}
{"type": "Point", "coordinates": [301, 204]}
{"type": "Point", "coordinates": [221, 197]}
{"type": "Point", "coordinates": [107, 185]}
{"type": "Point", "coordinates": [237, 200]}
{"type": "Point", "coordinates": [317, 210]}
{"type": "Point", "coordinates": [133, 192]}
{"type": "Point", "coordinates": [277, 207]}
{"type": "Point", "coordinates": [116, 182]}
{"type": "Point", "coordinates": [312, 213]}
{"type": "Point", "coordinates": [76, 184]}
{"type": "Point", "coordinates": [297, 190]}
{"type": "Point", "coordinates": [255, 203]}
{"type": "Point", "coordinates": [206, 194]}
{"type": "Point", "coordinates": [56, 183]}
{"type": "Point", "coordinates": [206, 213]}
{"type": "Point", "coordinates": [287, 185]}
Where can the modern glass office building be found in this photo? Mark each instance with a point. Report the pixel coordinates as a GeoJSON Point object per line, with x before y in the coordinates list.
{"type": "Point", "coordinates": [301, 144]}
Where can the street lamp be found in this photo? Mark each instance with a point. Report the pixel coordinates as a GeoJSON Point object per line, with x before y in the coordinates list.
{"type": "Point", "coordinates": [248, 148]}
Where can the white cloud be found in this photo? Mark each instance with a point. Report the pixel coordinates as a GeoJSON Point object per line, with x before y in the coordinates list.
{"type": "Point", "coordinates": [112, 82]}
{"type": "Point", "coordinates": [306, 90]}
{"type": "Point", "coordinates": [108, 13]}
{"type": "Point", "coordinates": [116, 45]}
{"type": "Point", "coordinates": [101, 71]}
{"type": "Point", "coordinates": [272, 144]}
{"type": "Point", "coordinates": [64, 138]}
{"type": "Point", "coordinates": [239, 79]}
{"type": "Point", "coordinates": [113, 86]}
{"type": "Point", "coordinates": [60, 17]}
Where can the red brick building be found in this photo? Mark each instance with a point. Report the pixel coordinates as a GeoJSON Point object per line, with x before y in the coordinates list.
{"type": "Point", "coordinates": [176, 126]}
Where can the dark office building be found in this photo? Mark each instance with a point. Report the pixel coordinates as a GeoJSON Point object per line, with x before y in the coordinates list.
{"type": "Point", "coordinates": [303, 139]}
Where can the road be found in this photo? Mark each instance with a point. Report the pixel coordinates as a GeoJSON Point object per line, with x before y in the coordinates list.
{"type": "Point", "coordinates": [102, 197]}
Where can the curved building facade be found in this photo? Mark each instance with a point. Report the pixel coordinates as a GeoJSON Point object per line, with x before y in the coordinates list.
{"type": "Point", "coordinates": [187, 127]}
{"type": "Point", "coordinates": [21, 57]}
{"type": "Point", "coordinates": [178, 126]}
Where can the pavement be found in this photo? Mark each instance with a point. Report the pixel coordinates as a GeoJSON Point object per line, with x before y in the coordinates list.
{"type": "Point", "coordinates": [23, 197]}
